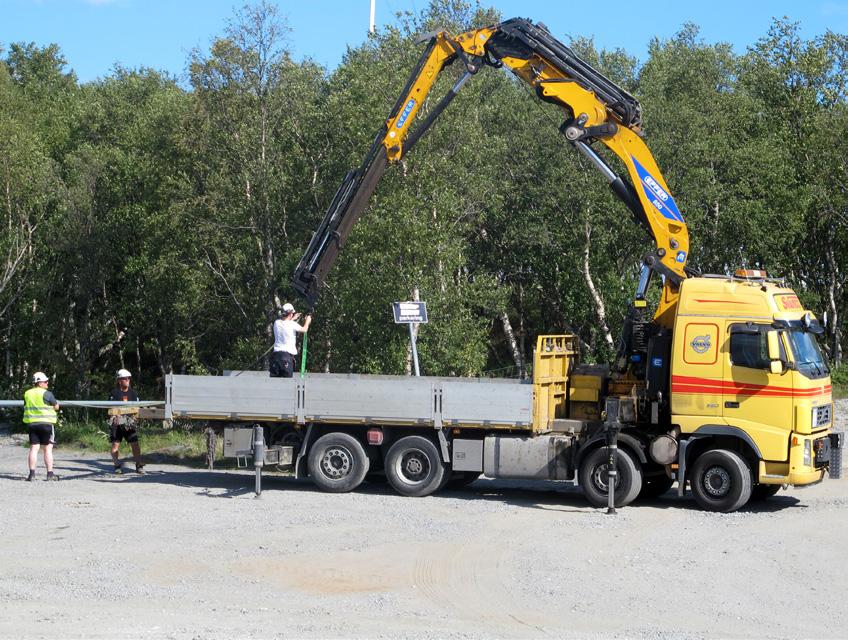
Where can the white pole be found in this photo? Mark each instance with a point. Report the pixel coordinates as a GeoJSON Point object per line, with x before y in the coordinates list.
{"type": "Point", "coordinates": [414, 348]}
{"type": "Point", "coordinates": [371, 23]}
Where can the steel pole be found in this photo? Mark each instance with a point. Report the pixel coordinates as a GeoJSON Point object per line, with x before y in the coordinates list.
{"type": "Point", "coordinates": [612, 472]}
{"type": "Point", "coordinates": [258, 456]}
{"type": "Point", "coordinates": [414, 349]}
{"type": "Point", "coordinates": [612, 425]}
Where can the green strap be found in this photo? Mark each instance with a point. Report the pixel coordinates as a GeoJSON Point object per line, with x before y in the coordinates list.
{"type": "Point", "coordinates": [303, 356]}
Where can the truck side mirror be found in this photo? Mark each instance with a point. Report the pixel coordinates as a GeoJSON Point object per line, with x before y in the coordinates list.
{"type": "Point", "coordinates": [773, 342]}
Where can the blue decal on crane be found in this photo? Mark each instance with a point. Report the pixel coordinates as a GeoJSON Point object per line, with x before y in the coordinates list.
{"type": "Point", "coordinates": [681, 256]}
{"type": "Point", "coordinates": [406, 111]}
{"type": "Point", "coordinates": [659, 197]}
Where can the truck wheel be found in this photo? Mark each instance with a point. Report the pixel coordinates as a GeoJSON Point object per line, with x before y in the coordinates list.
{"type": "Point", "coordinates": [592, 476]}
{"type": "Point", "coordinates": [655, 486]}
{"type": "Point", "coordinates": [337, 462]}
{"type": "Point", "coordinates": [721, 481]}
{"type": "Point", "coordinates": [764, 491]}
{"type": "Point", "coordinates": [414, 466]}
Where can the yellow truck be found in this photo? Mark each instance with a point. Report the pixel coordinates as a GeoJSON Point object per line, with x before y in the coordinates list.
{"type": "Point", "coordinates": [721, 387]}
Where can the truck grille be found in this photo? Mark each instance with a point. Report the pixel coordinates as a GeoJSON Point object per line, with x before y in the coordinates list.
{"type": "Point", "coordinates": [821, 416]}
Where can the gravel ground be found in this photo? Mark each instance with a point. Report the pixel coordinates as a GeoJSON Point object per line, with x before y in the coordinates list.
{"type": "Point", "coordinates": [183, 553]}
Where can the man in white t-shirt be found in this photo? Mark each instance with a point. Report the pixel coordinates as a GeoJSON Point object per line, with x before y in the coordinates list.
{"type": "Point", "coordinates": [286, 329]}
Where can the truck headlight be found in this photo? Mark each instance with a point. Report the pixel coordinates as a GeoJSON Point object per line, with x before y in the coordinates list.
{"type": "Point", "coordinates": [808, 453]}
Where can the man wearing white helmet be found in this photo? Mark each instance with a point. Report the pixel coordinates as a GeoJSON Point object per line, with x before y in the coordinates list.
{"type": "Point", "coordinates": [123, 427]}
{"type": "Point", "coordinates": [40, 416]}
{"type": "Point", "coordinates": [286, 329]}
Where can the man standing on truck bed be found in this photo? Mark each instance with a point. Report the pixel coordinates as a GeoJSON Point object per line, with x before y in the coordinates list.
{"type": "Point", "coordinates": [123, 426]}
{"type": "Point", "coordinates": [40, 407]}
{"type": "Point", "coordinates": [286, 329]}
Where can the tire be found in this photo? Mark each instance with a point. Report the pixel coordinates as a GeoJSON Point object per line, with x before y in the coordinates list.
{"type": "Point", "coordinates": [654, 486]}
{"type": "Point", "coordinates": [446, 478]}
{"type": "Point", "coordinates": [762, 492]}
{"type": "Point", "coordinates": [414, 466]}
{"type": "Point", "coordinates": [337, 463]}
{"type": "Point", "coordinates": [721, 481]}
{"type": "Point", "coordinates": [592, 476]}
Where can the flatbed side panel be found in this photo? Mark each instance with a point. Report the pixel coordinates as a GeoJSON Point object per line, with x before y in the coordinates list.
{"type": "Point", "coordinates": [399, 400]}
{"type": "Point", "coordinates": [233, 397]}
{"type": "Point", "coordinates": [499, 405]}
{"type": "Point", "coordinates": [355, 399]}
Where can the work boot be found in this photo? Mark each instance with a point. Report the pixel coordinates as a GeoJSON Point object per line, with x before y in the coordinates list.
{"type": "Point", "coordinates": [31, 476]}
{"type": "Point", "coordinates": [139, 469]}
{"type": "Point", "coordinates": [52, 476]}
{"type": "Point", "coordinates": [119, 468]}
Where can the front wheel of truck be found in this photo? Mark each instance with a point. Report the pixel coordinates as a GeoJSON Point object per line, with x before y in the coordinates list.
{"type": "Point", "coordinates": [592, 476]}
{"type": "Point", "coordinates": [721, 481]}
{"type": "Point", "coordinates": [414, 466]}
{"type": "Point", "coordinates": [338, 463]}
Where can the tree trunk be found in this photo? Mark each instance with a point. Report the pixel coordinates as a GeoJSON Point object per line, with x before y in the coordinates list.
{"type": "Point", "coordinates": [834, 294]}
{"type": "Point", "coordinates": [600, 309]}
{"type": "Point", "coordinates": [328, 350]}
{"type": "Point", "coordinates": [517, 356]}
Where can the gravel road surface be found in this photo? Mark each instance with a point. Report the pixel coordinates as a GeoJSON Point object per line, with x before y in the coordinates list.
{"type": "Point", "coordinates": [185, 553]}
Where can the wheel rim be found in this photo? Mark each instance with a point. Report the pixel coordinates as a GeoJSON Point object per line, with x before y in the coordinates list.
{"type": "Point", "coordinates": [717, 482]}
{"type": "Point", "coordinates": [600, 475]}
{"type": "Point", "coordinates": [336, 462]}
{"type": "Point", "coordinates": [413, 466]}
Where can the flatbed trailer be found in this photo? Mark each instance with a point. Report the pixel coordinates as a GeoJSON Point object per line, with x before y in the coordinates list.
{"type": "Point", "coordinates": [422, 432]}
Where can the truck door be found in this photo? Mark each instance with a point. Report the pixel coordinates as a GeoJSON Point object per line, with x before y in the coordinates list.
{"type": "Point", "coordinates": [698, 371]}
{"type": "Point", "coordinates": [755, 399]}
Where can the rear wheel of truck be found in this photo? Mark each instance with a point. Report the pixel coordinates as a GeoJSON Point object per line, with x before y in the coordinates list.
{"type": "Point", "coordinates": [337, 462]}
{"type": "Point", "coordinates": [592, 476]}
{"type": "Point", "coordinates": [721, 481]}
{"type": "Point", "coordinates": [414, 466]}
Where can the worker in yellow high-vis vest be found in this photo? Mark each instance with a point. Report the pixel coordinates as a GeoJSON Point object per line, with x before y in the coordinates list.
{"type": "Point", "coordinates": [40, 415]}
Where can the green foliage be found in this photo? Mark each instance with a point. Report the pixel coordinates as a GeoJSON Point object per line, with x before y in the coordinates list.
{"type": "Point", "coordinates": [155, 439]}
{"type": "Point", "coordinates": [839, 378]}
{"type": "Point", "coordinates": [155, 226]}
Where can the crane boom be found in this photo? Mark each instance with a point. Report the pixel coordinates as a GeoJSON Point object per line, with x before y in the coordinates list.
{"type": "Point", "coordinates": [596, 110]}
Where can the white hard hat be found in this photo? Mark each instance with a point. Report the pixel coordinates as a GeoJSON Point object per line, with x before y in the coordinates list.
{"type": "Point", "coordinates": [40, 376]}
{"type": "Point", "coordinates": [123, 373]}
{"type": "Point", "coordinates": [288, 307]}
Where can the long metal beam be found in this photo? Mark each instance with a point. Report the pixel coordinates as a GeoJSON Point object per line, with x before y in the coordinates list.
{"type": "Point", "coordinates": [92, 404]}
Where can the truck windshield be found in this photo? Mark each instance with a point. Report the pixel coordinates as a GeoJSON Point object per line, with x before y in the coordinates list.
{"type": "Point", "coordinates": [805, 350]}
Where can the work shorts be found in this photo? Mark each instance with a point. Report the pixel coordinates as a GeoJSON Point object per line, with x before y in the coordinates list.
{"type": "Point", "coordinates": [41, 433]}
{"type": "Point", "coordinates": [282, 364]}
{"type": "Point", "coordinates": [123, 432]}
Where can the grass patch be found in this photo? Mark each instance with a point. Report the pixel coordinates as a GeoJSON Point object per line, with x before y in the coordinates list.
{"type": "Point", "coordinates": [185, 444]}
{"type": "Point", "coordinates": [839, 380]}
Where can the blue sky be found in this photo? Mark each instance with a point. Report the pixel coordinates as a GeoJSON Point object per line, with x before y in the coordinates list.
{"type": "Point", "coordinates": [96, 34]}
